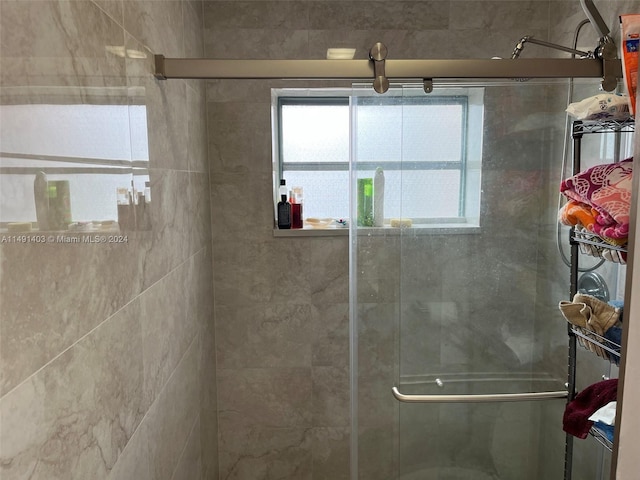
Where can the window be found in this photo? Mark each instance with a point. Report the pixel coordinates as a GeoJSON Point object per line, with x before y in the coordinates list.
{"type": "Point", "coordinates": [428, 145]}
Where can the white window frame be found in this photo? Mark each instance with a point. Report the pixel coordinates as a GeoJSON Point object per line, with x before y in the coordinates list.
{"type": "Point", "coordinates": [470, 164]}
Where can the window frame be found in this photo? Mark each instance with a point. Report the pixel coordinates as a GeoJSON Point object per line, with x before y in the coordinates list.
{"type": "Point", "coordinates": [342, 96]}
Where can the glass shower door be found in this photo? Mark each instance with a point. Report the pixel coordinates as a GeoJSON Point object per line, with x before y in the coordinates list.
{"type": "Point", "coordinates": [456, 293]}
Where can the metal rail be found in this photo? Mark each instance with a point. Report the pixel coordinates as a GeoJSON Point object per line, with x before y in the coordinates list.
{"type": "Point", "coordinates": [494, 397]}
{"type": "Point", "coordinates": [610, 70]}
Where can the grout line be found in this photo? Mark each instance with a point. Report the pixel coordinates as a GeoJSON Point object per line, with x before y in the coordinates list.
{"type": "Point", "coordinates": [151, 406]}
{"type": "Point", "coordinates": [184, 448]}
{"type": "Point", "coordinates": [90, 332]}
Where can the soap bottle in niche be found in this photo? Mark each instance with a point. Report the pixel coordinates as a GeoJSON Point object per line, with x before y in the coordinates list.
{"type": "Point", "coordinates": [126, 214]}
{"type": "Point", "coordinates": [284, 208]}
{"type": "Point", "coordinates": [283, 188]}
{"type": "Point", "coordinates": [59, 214]}
{"type": "Point", "coordinates": [296, 207]}
{"type": "Point", "coordinates": [143, 209]}
{"type": "Point", "coordinates": [365, 202]}
{"type": "Point", "coordinates": [41, 194]}
{"type": "Point", "coordinates": [378, 198]}
{"type": "Point", "coordinates": [141, 213]}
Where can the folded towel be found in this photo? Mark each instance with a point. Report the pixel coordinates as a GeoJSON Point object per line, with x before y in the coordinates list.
{"type": "Point", "coordinates": [606, 414]}
{"type": "Point", "coordinates": [606, 430]}
{"type": "Point", "coordinates": [614, 335]}
{"type": "Point", "coordinates": [603, 315]}
{"type": "Point", "coordinates": [607, 189]}
{"type": "Point", "coordinates": [575, 214]}
{"type": "Point", "coordinates": [578, 213]}
{"type": "Point", "coordinates": [575, 420]}
{"type": "Point", "coordinates": [617, 303]}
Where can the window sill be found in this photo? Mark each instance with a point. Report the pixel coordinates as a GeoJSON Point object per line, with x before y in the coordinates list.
{"type": "Point", "coordinates": [311, 232]}
{"type": "Point", "coordinates": [414, 230]}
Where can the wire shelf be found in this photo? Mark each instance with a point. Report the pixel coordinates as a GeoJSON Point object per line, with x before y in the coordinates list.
{"type": "Point", "coordinates": [593, 245]}
{"type": "Point", "coordinates": [605, 125]}
{"type": "Point", "coordinates": [601, 438]}
{"type": "Point", "coordinates": [598, 344]}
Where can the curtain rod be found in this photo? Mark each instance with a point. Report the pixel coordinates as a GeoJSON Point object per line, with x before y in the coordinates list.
{"type": "Point", "coordinates": [378, 69]}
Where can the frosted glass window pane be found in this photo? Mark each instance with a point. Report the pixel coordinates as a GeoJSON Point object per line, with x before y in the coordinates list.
{"type": "Point", "coordinates": [423, 193]}
{"type": "Point", "coordinates": [326, 193]}
{"type": "Point", "coordinates": [315, 133]}
{"type": "Point", "coordinates": [410, 132]}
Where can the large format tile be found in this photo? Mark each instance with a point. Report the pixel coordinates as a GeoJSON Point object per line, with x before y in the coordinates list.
{"type": "Point", "coordinates": [263, 335]}
{"type": "Point", "coordinates": [265, 397]}
{"type": "Point", "coordinates": [331, 453]}
{"type": "Point", "coordinates": [422, 15]}
{"type": "Point", "coordinates": [190, 465]}
{"type": "Point", "coordinates": [259, 271]}
{"type": "Point", "coordinates": [256, 15]}
{"type": "Point", "coordinates": [58, 43]}
{"type": "Point", "coordinates": [167, 328]}
{"type": "Point", "coordinates": [170, 420]}
{"type": "Point", "coordinates": [166, 245]}
{"type": "Point", "coordinates": [513, 14]}
{"type": "Point", "coordinates": [330, 330]}
{"type": "Point", "coordinates": [331, 396]}
{"type": "Point", "coordinates": [158, 25]}
{"type": "Point", "coordinates": [251, 452]}
{"type": "Point", "coordinates": [133, 462]}
{"type": "Point", "coordinates": [82, 408]}
{"type": "Point", "coordinates": [62, 282]}
{"type": "Point", "coordinates": [240, 137]}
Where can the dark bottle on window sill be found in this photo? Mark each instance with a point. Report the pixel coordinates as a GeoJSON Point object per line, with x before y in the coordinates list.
{"type": "Point", "coordinates": [284, 213]}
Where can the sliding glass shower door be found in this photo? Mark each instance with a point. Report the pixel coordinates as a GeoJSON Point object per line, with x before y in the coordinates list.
{"type": "Point", "coordinates": [456, 282]}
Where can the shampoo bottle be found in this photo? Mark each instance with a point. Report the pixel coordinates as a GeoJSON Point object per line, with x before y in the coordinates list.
{"type": "Point", "coordinates": [378, 198]}
{"type": "Point", "coordinates": [365, 202]}
{"type": "Point", "coordinates": [284, 207]}
{"type": "Point", "coordinates": [41, 194]}
{"type": "Point", "coordinates": [296, 207]}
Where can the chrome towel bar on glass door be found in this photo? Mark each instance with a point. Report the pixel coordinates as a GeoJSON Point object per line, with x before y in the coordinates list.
{"type": "Point", "coordinates": [494, 397]}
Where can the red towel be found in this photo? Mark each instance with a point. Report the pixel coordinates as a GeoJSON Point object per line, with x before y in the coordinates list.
{"type": "Point", "coordinates": [576, 415]}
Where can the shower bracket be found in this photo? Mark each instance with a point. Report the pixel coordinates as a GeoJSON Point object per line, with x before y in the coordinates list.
{"type": "Point", "coordinates": [377, 55]}
{"type": "Point", "coordinates": [610, 65]}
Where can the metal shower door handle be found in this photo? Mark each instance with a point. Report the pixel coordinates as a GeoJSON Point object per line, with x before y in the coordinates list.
{"type": "Point", "coordinates": [495, 397]}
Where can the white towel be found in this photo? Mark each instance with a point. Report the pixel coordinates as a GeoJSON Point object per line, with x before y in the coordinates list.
{"type": "Point", "coordinates": [606, 414]}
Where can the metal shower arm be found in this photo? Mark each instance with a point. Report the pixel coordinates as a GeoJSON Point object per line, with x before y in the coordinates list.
{"type": "Point", "coordinates": [529, 39]}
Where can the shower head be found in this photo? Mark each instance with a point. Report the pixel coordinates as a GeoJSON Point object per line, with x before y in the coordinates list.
{"type": "Point", "coordinates": [603, 49]}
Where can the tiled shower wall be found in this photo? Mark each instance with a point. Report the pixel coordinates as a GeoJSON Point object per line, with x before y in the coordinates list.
{"type": "Point", "coordinates": [281, 306]}
{"type": "Point", "coordinates": [107, 362]}
{"type": "Point", "coordinates": [282, 303]}
{"type": "Point", "coordinates": [107, 355]}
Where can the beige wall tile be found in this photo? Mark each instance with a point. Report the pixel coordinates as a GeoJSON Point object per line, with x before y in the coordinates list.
{"type": "Point", "coordinates": [86, 405]}
{"type": "Point", "coordinates": [91, 338]}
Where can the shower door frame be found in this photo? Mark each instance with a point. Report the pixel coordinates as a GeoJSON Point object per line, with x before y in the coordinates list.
{"type": "Point", "coordinates": [565, 394]}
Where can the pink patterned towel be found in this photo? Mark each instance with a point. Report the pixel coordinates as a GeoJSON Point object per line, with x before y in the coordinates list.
{"type": "Point", "coordinates": [607, 189]}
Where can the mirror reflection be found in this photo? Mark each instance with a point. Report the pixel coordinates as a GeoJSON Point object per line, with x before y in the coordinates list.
{"type": "Point", "coordinates": [75, 161]}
